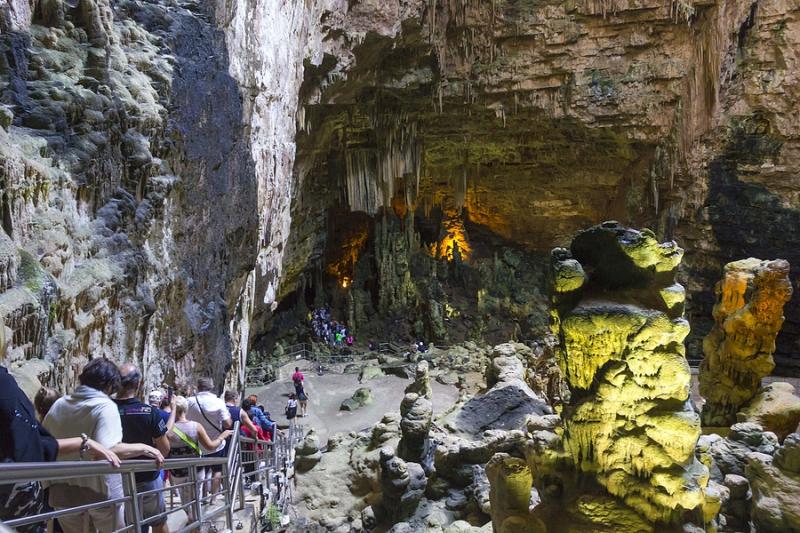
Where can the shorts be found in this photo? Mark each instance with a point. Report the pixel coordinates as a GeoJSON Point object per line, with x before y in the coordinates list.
{"type": "Point", "coordinates": [222, 453]}
{"type": "Point", "coordinates": [152, 504]}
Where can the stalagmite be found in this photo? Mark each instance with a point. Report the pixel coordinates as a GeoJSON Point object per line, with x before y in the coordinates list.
{"type": "Point", "coordinates": [738, 351]}
{"type": "Point", "coordinates": [629, 424]}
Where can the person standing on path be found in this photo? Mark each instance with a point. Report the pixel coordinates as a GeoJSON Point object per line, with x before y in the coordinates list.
{"type": "Point", "coordinates": [291, 410]}
{"type": "Point", "coordinates": [302, 398]}
{"type": "Point", "coordinates": [298, 378]}
{"type": "Point", "coordinates": [142, 424]}
{"type": "Point", "coordinates": [210, 411]}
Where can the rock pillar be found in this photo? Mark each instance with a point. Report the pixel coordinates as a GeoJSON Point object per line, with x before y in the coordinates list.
{"type": "Point", "coordinates": [738, 351]}
{"type": "Point", "coordinates": [618, 314]}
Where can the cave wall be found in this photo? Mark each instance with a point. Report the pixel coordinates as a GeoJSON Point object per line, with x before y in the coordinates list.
{"type": "Point", "coordinates": [167, 168]}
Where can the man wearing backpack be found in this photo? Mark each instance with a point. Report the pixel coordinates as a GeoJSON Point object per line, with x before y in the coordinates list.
{"type": "Point", "coordinates": [210, 411]}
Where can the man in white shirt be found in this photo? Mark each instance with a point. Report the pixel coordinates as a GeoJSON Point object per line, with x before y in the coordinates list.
{"type": "Point", "coordinates": [210, 411]}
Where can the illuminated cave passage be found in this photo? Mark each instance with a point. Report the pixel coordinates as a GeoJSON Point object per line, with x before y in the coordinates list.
{"type": "Point", "coordinates": [538, 261]}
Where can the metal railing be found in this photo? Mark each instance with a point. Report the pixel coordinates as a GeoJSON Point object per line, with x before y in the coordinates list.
{"type": "Point", "coordinates": [247, 461]}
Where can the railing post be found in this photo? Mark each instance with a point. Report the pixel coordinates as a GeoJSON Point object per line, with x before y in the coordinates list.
{"type": "Point", "coordinates": [196, 492]}
{"type": "Point", "coordinates": [228, 496]}
{"type": "Point", "coordinates": [130, 483]}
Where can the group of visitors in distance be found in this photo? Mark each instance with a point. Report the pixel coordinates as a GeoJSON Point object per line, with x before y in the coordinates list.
{"type": "Point", "coordinates": [89, 425]}
{"type": "Point", "coordinates": [329, 330]}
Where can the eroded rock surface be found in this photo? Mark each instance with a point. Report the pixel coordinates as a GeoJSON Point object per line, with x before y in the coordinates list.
{"type": "Point", "coordinates": [629, 423]}
{"type": "Point", "coordinates": [738, 351]}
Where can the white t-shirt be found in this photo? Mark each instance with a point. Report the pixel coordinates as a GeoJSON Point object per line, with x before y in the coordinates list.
{"type": "Point", "coordinates": [215, 411]}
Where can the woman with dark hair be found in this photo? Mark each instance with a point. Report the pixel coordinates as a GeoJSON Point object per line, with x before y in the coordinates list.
{"type": "Point", "coordinates": [90, 412]}
{"type": "Point", "coordinates": [291, 410]}
{"type": "Point", "coordinates": [44, 400]}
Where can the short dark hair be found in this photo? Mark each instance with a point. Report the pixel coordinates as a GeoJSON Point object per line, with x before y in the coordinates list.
{"type": "Point", "coordinates": [130, 381]}
{"type": "Point", "coordinates": [100, 374]}
{"type": "Point", "coordinates": [231, 395]}
{"type": "Point", "coordinates": [297, 369]}
{"type": "Point", "coordinates": [247, 403]}
{"type": "Point", "coordinates": [44, 400]}
{"type": "Point", "coordinates": [205, 384]}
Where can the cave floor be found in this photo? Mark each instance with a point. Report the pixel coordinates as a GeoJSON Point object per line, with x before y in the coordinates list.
{"type": "Point", "coordinates": [326, 393]}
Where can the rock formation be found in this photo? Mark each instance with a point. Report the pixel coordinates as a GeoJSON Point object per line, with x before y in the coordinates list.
{"type": "Point", "coordinates": [416, 413]}
{"type": "Point", "coordinates": [738, 351]}
{"type": "Point", "coordinates": [775, 485]}
{"type": "Point", "coordinates": [308, 453]}
{"type": "Point", "coordinates": [403, 486]}
{"type": "Point", "coordinates": [422, 383]}
{"type": "Point", "coordinates": [629, 424]}
{"type": "Point", "coordinates": [511, 481]}
{"type": "Point", "coordinates": [775, 407]}
{"type": "Point", "coordinates": [361, 397]}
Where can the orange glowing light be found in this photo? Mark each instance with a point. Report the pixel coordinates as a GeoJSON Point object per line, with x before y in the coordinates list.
{"type": "Point", "coordinates": [454, 235]}
{"type": "Point", "coordinates": [345, 282]}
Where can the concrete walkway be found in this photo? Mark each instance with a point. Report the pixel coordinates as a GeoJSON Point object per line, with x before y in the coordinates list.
{"type": "Point", "coordinates": [326, 393]}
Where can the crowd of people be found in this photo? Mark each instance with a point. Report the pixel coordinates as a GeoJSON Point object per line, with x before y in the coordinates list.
{"type": "Point", "coordinates": [333, 333]}
{"type": "Point", "coordinates": [104, 419]}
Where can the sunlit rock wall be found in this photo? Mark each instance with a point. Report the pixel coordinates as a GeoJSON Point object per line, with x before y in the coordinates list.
{"type": "Point", "coordinates": [619, 316]}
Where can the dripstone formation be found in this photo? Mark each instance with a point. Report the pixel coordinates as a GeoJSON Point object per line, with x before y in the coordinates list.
{"type": "Point", "coordinates": [738, 351]}
{"type": "Point", "coordinates": [619, 316]}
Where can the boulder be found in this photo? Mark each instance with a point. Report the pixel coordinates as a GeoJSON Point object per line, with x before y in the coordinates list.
{"type": "Point", "coordinates": [738, 350]}
{"type": "Point", "coordinates": [370, 372]}
{"type": "Point", "coordinates": [308, 453]}
{"type": "Point", "coordinates": [775, 407]}
{"type": "Point", "coordinates": [775, 485]}
{"type": "Point", "coordinates": [361, 397]}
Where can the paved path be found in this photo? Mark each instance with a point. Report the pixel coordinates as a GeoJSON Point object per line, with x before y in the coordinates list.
{"type": "Point", "coordinates": [327, 392]}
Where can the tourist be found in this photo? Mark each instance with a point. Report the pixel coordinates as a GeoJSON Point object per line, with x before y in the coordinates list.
{"type": "Point", "coordinates": [142, 423]}
{"type": "Point", "coordinates": [260, 417]}
{"type": "Point", "coordinates": [211, 412]}
{"type": "Point", "coordinates": [291, 410]}
{"type": "Point", "coordinates": [44, 400]}
{"type": "Point", "coordinates": [302, 398]}
{"type": "Point", "coordinates": [24, 440]}
{"type": "Point", "coordinates": [238, 414]}
{"type": "Point", "coordinates": [186, 439]}
{"type": "Point", "coordinates": [297, 379]}
{"type": "Point", "coordinates": [91, 412]}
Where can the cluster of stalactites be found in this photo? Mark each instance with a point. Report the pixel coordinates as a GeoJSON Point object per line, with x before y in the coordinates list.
{"type": "Point", "coordinates": [371, 174]}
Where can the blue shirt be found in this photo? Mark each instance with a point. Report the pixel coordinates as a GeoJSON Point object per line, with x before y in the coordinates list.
{"type": "Point", "coordinates": [261, 419]}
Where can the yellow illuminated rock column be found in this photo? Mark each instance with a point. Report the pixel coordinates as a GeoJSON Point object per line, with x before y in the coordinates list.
{"type": "Point", "coordinates": [738, 351]}
{"type": "Point", "coordinates": [628, 424]}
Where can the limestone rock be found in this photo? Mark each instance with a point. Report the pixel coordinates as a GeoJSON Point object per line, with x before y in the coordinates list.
{"type": "Point", "coordinates": [422, 383]}
{"type": "Point", "coordinates": [9, 261]}
{"type": "Point", "coordinates": [510, 480]}
{"type": "Point", "coordinates": [361, 397]}
{"type": "Point", "coordinates": [369, 372]}
{"type": "Point", "coordinates": [623, 358]}
{"type": "Point", "coordinates": [416, 413]}
{"type": "Point", "coordinates": [308, 453]}
{"type": "Point", "coordinates": [775, 484]}
{"type": "Point", "coordinates": [775, 407]}
{"type": "Point", "coordinates": [729, 455]}
{"type": "Point", "coordinates": [738, 351]}
{"type": "Point", "coordinates": [403, 486]}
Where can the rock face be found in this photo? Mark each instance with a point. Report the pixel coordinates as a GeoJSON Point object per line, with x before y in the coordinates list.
{"type": "Point", "coordinates": [738, 350]}
{"type": "Point", "coordinates": [629, 423]}
{"type": "Point", "coordinates": [775, 407]}
{"type": "Point", "coordinates": [776, 483]}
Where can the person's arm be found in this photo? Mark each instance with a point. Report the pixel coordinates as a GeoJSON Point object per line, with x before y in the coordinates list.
{"type": "Point", "coordinates": [246, 422]}
{"type": "Point", "coordinates": [206, 441]}
{"type": "Point", "coordinates": [227, 421]}
{"type": "Point", "coordinates": [131, 451]}
{"type": "Point", "coordinates": [171, 420]}
{"type": "Point", "coordinates": [96, 450]}
{"type": "Point", "coordinates": [162, 444]}
{"type": "Point", "coordinates": [159, 429]}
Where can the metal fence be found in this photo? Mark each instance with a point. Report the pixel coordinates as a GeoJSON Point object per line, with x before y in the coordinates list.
{"type": "Point", "coordinates": [270, 463]}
